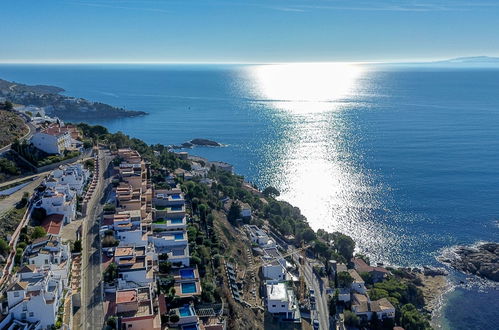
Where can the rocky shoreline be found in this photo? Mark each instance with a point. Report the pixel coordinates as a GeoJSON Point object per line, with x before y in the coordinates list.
{"type": "Point", "coordinates": [197, 142]}
{"type": "Point", "coordinates": [481, 260]}
{"type": "Point", "coordinates": [55, 104]}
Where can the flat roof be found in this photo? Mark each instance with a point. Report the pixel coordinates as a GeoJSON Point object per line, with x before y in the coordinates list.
{"type": "Point", "coordinates": [126, 296]}
{"type": "Point", "coordinates": [277, 291]}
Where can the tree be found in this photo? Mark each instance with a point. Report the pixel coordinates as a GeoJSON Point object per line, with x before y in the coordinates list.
{"type": "Point", "coordinates": [7, 105]}
{"type": "Point", "coordinates": [77, 247]}
{"type": "Point", "coordinates": [165, 267]}
{"type": "Point", "coordinates": [38, 214]}
{"type": "Point", "coordinates": [345, 246]}
{"type": "Point", "coordinates": [344, 279]}
{"type": "Point", "coordinates": [270, 192]}
{"type": "Point", "coordinates": [351, 318]}
{"type": "Point", "coordinates": [194, 204]}
{"type": "Point", "coordinates": [203, 210]}
{"type": "Point", "coordinates": [111, 273]}
{"type": "Point", "coordinates": [411, 319]}
{"type": "Point", "coordinates": [174, 318]}
{"type": "Point", "coordinates": [38, 232]}
{"type": "Point", "coordinates": [4, 247]}
{"type": "Point", "coordinates": [234, 212]}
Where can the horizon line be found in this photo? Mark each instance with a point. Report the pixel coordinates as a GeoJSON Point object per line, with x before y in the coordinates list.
{"type": "Point", "coordinates": [154, 62]}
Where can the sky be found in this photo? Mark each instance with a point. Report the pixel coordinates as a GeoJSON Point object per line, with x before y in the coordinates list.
{"type": "Point", "coordinates": [249, 31]}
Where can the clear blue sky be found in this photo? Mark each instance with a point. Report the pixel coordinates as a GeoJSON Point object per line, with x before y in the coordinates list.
{"type": "Point", "coordinates": [247, 31]}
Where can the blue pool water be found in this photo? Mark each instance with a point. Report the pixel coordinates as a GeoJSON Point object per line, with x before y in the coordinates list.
{"type": "Point", "coordinates": [187, 273]}
{"type": "Point", "coordinates": [188, 287]}
{"type": "Point", "coordinates": [176, 221]}
{"type": "Point", "coordinates": [405, 160]}
{"type": "Point", "coordinates": [176, 196]}
{"type": "Point", "coordinates": [185, 311]}
{"type": "Point", "coordinates": [178, 236]}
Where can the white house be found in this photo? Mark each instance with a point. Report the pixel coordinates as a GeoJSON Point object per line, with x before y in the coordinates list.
{"type": "Point", "coordinates": [281, 301]}
{"type": "Point", "coordinates": [135, 266]}
{"type": "Point", "coordinates": [52, 140]}
{"type": "Point", "coordinates": [59, 200]}
{"type": "Point", "coordinates": [358, 284]}
{"type": "Point", "coordinates": [73, 176]}
{"type": "Point", "coordinates": [259, 237]}
{"type": "Point", "coordinates": [274, 271]}
{"type": "Point", "coordinates": [49, 253]}
{"type": "Point", "coordinates": [35, 296]}
{"type": "Point", "coordinates": [363, 307]}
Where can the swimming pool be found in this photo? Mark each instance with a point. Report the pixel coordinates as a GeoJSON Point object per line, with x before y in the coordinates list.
{"type": "Point", "coordinates": [186, 273]}
{"type": "Point", "coordinates": [185, 311]}
{"type": "Point", "coordinates": [188, 287]}
{"type": "Point", "coordinates": [176, 197]}
{"type": "Point", "coordinates": [176, 221]}
{"type": "Point", "coordinates": [178, 236]}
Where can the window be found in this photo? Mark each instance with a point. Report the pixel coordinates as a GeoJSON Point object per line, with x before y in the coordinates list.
{"type": "Point", "coordinates": [16, 294]}
{"type": "Point", "coordinates": [273, 305]}
{"type": "Point", "coordinates": [31, 314]}
{"type": "Point", "coordinates": [283, 306]}
{"type": "Point", "coordinates": [46, 261]}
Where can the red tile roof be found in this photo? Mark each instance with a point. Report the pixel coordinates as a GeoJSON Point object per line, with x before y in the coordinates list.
{"type": "Point", "coordinates": [53, 224]}
{"type": "Point", "coordinates": [126, 296]}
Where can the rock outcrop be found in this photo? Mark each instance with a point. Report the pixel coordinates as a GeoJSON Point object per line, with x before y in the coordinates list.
{"type": "Point", "coordinates": [482, 260]}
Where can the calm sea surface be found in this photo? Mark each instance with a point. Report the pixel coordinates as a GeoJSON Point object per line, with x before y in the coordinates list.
{"type": "Point", "coordinates": [404, 160]}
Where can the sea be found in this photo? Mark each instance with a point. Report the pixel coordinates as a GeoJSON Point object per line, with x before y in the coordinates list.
{"type": "Point", "coordinates": [403, 158]}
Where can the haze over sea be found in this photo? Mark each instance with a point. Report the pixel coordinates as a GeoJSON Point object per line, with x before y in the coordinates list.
{"type": "Point", "coordinates": [403, 159]}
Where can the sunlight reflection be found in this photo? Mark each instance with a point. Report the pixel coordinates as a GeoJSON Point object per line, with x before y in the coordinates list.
{"type": "Point", "coordinates": [315, 164]}
{"type": "Point", "coordinates": [305, 87]}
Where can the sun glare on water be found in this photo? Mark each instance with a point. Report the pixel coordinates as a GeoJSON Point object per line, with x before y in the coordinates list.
{"type": "Point", "coordinates": [314, 165]}
{"type": "Point", "coordinates": [305, 87]}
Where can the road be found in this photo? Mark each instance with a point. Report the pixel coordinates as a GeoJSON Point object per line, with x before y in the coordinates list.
{"type": "Point", "coordinates": [10, 201]}
{"type": "Point", "coordinates": [319, 290]}
{"type": "Point", "coordinates": [92, 311]}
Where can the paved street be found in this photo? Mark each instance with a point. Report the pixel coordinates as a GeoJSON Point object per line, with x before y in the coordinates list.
{"type": "Point", "coordinates": [10, 201]}
{"type": "Point", "coordinates": [320, 292]}
{"type": "Point", "coordinates": [92, 313]}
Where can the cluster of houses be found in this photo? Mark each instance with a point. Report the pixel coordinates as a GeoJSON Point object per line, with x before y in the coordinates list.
{"type": "Point", "coordinates": [63, 186]}
{"type": "Point", "coordinates": [37, 291]}
{"type": "Point", "coordinates": [150, 224]}
{"type": "Point", "coordinates": [355, 293]}
{"type": "Point", "coordinates": [280, 299]}
{"type": "Point", "coordinates": [34, 298]}
{"type": "Point", "coordinates": [57, 138]}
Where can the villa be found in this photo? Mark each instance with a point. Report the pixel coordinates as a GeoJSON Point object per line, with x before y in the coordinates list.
{"type": "Point", "coordinates": [281, 302]}
{"type": "Point", "coordinates": [135, 309]}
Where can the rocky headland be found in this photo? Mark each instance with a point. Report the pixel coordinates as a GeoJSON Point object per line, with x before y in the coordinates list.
{"type": "Point", "coordinates": [481, 260]}
{"type": "Point", "coordinates": [197, 142]}
{"type": "Point", "coordinates": [62, 106]}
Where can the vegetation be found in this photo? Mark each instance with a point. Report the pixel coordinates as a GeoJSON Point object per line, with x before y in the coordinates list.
{"type": "Point", "coordinates": [77, 247]}
{"type": "Point", "coordinates": [344, 280]}
{"type": "Point", "coordinates": [111, 273]}
{"type": "Point", "coordinates": [4, 247]}
{"type": "Point", "coordinates": [8, 167]}
{"type": "Point", "coordinates": [37, 215]}
{"type": "Point", "coordinates": [351, 319]}
{"type": "Point", "coordinates": [12, 126]}
{"type": "Point", "coordinates": [38, 232]}
{"type": "Point", "coordinates": [38, 157]}
{"type": "Point", "coordinates": [10, 220]}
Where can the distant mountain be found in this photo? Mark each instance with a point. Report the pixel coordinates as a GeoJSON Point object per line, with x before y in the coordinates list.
{"type": "Point", "coordinates": [471, 60]}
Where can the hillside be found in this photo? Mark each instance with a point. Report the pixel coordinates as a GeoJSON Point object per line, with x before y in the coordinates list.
{"type": "Point", "coordinates": [11, 127]}
{"type": "Point", "coordinates": [58, 105]}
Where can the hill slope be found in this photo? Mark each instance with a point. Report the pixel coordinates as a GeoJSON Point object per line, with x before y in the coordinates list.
{"type": "Point", "coordinates": [11, 127]}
